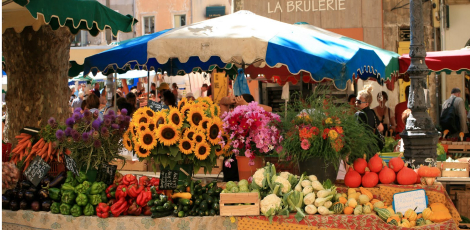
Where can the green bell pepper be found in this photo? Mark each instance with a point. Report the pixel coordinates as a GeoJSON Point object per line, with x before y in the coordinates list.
{"type": "Point", "coordinates": [76, 210]}
{"type": "Point", "coordinates": [68, 197]}
{"type": "Point", "coordinates": [70, 177]}
{"type": "Point", "coordinates": [65, 209]}
{"type": "Point", "coordinates": [67, 187]}
{"type": "Point", "coordinates": [54, 194]}
{"type": "Point", "coordinates": [55, 207]}
{"type": "Point", "coordinates": [81, 177]}
{"type": "Point", "coordinates": [89, 210]}
{"type": "Point", "coordinates": [94, 199]}
{"type": "Point", "coordinates": [97, 188]}
{"type": "Point", "coordinates": [104, 198]}
{"type": "Point", "coordinates": [81, 199]}
{"type": "Point", "coordinates": [83, 188]}
{"type": "Point", "coordinates": [75, 183]}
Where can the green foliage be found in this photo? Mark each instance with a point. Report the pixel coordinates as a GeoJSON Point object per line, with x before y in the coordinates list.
{"type": "Point", "coordinates": [390, 144]}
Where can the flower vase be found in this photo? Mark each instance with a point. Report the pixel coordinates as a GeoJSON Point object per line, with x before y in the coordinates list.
{"type": "Point", "coordinates": [245, 170]}
{"type": "Point", "coordinates": [318, 167]}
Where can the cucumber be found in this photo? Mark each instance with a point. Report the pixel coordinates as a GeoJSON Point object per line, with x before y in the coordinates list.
{"type": "Point", "coordinates": [186, 208]}
{"type": "Point", "coordinates": [158, 203]}
{"type": "Point", "coordinates": [185, 202]}
{"type": "Point", "coordinates": [175, 213]}
{"type": "Point", "coordinates": [180, 208]}
{"type": "Point", "coordinates": [198, 201]}
{"type": "Point", "coordinates": [150, 203]}
{"type": "Point", "coordinates": [215, 206]}
{"type": "Point", "coordinates": [206, 213]}
{"type": "Point", "coordinates": [201, 213]}
{"type": "Point", "coordinates": [153, 209]}
{"type": "Point", "coordinates": [210, 192]}
{"type": "Point", "coordinates": [167, 206]}
{"type": "Point", "coordinates": [203, 205]}
{"type": "Point", "coordinates": [155, 196]}
{"type": "Point", "coordinates": [163, 198]}
{"type": "Point", "coordinates": [212, 212]}
{"type": "Point", "coordinates": [181, 214]}
{"type": "Point", "coordinates": [161, 209]}
{"type": "Point", "coordinates": [210, 200]}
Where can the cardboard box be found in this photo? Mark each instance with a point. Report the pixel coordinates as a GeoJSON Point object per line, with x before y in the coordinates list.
{"type": "Point", "coordinates": [456, 165]}
{"type": "Point", "coordinates": [131, 165]}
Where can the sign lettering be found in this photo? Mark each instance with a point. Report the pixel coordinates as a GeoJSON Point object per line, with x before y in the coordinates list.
{"type": "Point", "coordinates": [71, 164]}
{"type": "Point", "coordinates": [306, 6]}
{"type": "Point", "coordinates": [106, 173]}
{"type": "Point", "coordinates": [168, 179]}
{"type": "Point", "coordinates": [415, 199]}
{"type": "Point", "coordinates": [155, 106]}
{"type": "Point", "coordinates": [37, 170]}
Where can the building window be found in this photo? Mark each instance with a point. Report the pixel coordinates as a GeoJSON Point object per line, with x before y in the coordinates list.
{"type": "Point", "coordinates": [149, 24]}
{"type": "Point", "coordinates": [180, 20]}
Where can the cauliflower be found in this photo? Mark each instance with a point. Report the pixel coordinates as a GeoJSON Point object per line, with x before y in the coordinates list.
{"type": "Point", "coordinates": [270, 202]}
{"type": "Point", "coordinates": [309, 198]}
{"type": "Point", "coordinates": [312, 178]}
{"type": "Point", "coordinates": [298, 188]}
{"type": "Point", "coordinates": [306, 183]}
{"type": "Point", "coordinates": [258, 177]}
{"type": "Point", "coordinates": [307, 190]}
{"type": "Point", "coordinates": [317, 185]}
{"type": "Point", "coordinates": [285, 175]}
{"type": "Point", "coordinates": [310, 209]}
{"type": "Point", "coordinates": [285, 184]}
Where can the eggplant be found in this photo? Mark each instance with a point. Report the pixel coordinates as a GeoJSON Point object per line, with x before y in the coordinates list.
{"type": "Point", "coordinates": [43, 194]}
{"type": "Point", "coordinates": [36, 206]}
{"type": "Point", "coordinates": [5, 202]}
{"type": "Point", "coordinates": [45, 181]}
{"type": "Point", "coordinates": [24, 205]}
{"type": "Point", "coordinates": [14, 193]}
{"type": "Point", "coordinates": [14, 205]}
{"type": "Point", "coordinates": [8, 193]}
{"type": "Point", "coordinates": [46, 205]}
{"type": "Point", "coordinates": [25, 184]}
{"type": "Point", "coordinates": [20, 195]}
{"type": "Point", "coordinates": [58, 180]}
{"type": "Point", "coordinates": [32, 189]}
{"type": "Point", "coordinates": [29, 196]}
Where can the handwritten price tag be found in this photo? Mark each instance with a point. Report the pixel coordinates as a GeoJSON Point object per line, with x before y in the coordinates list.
{"type": "Point", "coordinates": [71, 164]}
{"type": "Point", "coordinates": [37, 170]}
{"type": "Point", "coordinates": [415, 199]}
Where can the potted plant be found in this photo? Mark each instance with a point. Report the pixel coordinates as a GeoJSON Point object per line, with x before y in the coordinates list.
{"type": "Point", "coordinates": [253, 133]}
{"type": "Point", "coordinates": [320, 133]}
{"type": "Point", "coordinates": [91, 140]}
{"type": "Point", "coordinates": [186, 136]}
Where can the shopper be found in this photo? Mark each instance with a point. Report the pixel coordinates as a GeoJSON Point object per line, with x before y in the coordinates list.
{"type": "Point", "coordinates": [174, 89]}
{"type": "Point", "coordinates": [204, 88]}
{"type": "Point", "coordinates": [367, 116]}
{"type": "Point", "coordinates": [96, 90]}
{"type": "Point", "coordinates": [132, 99]}
{"type": "Point", "coordinates": [454, 119]}
{"type": "Point", "coordinates": [77, 102]}
{"type": "Point", "coordinates": [190, 96]}
{"type": "Point", "coordinates": [399, 109]}
{"type": "Point", "coordinates": [169, 99]}
{"type": "Point", "coordinates": [386, 117]}
{"type": "Point", "coordinates": [93, 104]}
{"type": "Point", "coordinates": [103, 99]}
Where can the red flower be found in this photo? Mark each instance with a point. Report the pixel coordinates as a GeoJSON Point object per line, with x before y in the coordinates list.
{"type": "Point", "coordinates": [315, 131]}
{"type": "Point", "coordinates": [325, 133]}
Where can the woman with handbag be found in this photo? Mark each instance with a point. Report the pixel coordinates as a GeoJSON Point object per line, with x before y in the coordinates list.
{"type": "Point", "coordinates": [366, 116]}
{"type": "Point", "coordinates": [386, 117]}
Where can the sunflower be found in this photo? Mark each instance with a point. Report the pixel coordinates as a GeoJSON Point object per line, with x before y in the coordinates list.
{"type": "Point", "coordinates": [185, 110]}
{"type": "Point", "coordinates": [199, 137]}
{"type": "Point", "coordinates": [149, 112]}
{"type": "Point", "coordinates": [213, 131]}
{"type": "Point", "coordinates": [175, 117]}
{"type": "Point", "coordinates": [202, 151]}
{"type": "Point", "coordinates": [140, 111]}
{"type": "Point", "coordinates": [219, 151]}
{"type": "Point", "coordinates": [133, 129]}
{"type": "Point", "coordinates": [205, 123]}
{"type": "Point", "coordinates": [168, 134]}
{"type": "Point", "coordinates": [141, 152]}
{"type": "Point", "coordinates": [227, 141]}
{"type": "Point", "coordinates": [182, 103]}
{"type": "Point", "coordinates": [127, 140]}
{"type": "Point", "coordinates": [186, 146]}
{"type": "Point", "coordinates": [189, 133]}
{"type": "Point", "coordinates": [195, 116]}
{"type": "Point", "coordinates": [141, 118]}
{"type": "Point", "coordinates": [148, 140]}
{"type": "Point", "coordinates": [215, 110]}
{"type": "Point", "coordinates": [141, 127]}
{"type": "Point", "coordinates": [159, 119]}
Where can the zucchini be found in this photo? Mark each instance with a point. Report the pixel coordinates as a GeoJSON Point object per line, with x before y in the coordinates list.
{"type": "Point", "coordinates": [203, 205]}
{"type": "Point", "coordinates": [198, 201]}
{"type": "Point", "coordinates": [175, 213]}
{"type": "Point", "coordinates": [153, 209]}
{"type": "Point", "coordinates": [158, 203]}
{"type": "Point", "coordinates": [150, 203]}
{"type": "Point", "coordinates": [181, 214]}
{"type": "Point", "coordinates": [186, 209]}
{"type": "Point", "coordinates": [210, 200]}
{"type": "Point", "coordinates": [180, 208]}
{"type": "Point", "coordinates": [186, 184]}
{"type": "Point", "coordinates": [155, 196]}
{"type": "Point", "coordinates": [167, 206]}
{"type": "Point", "coordinates": [206, 213]}
{"type": "Point", "coordinates": [218, 191]}
{"type": "Point", "coordinates": [163, 198]}
{"type": "Point", "coordinates": [215, 206]}
{"type": "Point", "coordinates": [201, 213]}
{"type": "Point", "coordinates": [160, 214]}
{"type": "Point", "coordinates": [212, 212]}
{"type": "Point", "coordinates": [185, 202]}
{"type": "Point", "coordinates": [161, 209]}
{"type": "Point", "coordinates": [210, 192]}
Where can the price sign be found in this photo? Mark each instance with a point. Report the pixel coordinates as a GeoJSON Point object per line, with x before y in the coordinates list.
{"type": "Point", "coordinates": [415, 199]}
{"type": "Point", "coordinates": [107, 173]}
{"type": "Point", "coordinates": [155, 106]}
{"type": "Point", "coordinates": [37, 170]}
{"type": "Point", "coordinates": [168, 179]}
{"type": "Point", "coordinates": [71, 165]}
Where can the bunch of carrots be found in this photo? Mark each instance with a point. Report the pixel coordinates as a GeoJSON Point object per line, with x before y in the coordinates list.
{"type": "Point", "coordinates": [45, 149]}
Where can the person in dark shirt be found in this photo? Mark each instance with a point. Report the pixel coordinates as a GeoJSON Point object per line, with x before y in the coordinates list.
{"type": "Point", "coordinates": [366, 115]}
{"type": "Point", "coordinates": [96, 90]}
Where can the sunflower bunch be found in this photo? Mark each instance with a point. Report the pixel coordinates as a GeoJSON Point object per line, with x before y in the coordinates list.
{"type": "Point", "coordinates": [186, 134]}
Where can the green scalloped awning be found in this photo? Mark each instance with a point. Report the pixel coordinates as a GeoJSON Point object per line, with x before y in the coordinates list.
{"type": "Point", "coordinates": [78, 15]}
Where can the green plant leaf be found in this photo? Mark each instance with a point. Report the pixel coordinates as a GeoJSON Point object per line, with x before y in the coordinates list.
{"type": "Point", "coordinates": [174, 150]}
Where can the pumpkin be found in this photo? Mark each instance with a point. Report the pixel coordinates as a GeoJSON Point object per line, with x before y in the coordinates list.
{"type": "Point", "coordinates": [342, 200]}
{"type": "Point", "coordinates": [394, 218]}
{"type": "Point", "coordinates": [440, 216]}
{"type": "Point", "coordinates": [426, 171]}
{"type": "Point", "coordinates": [351, 191]}
{"type": "Point", "coordinates": [427, 213]}
{"type": "Point", "coordinates": [360, 165]}
{"type": "Point", "coordinates": [405, 224]}
{"type": "Point", "coordinates": [383, 213]}
{"type": "Point", "coordinates": [358, 210]}
{"type": "Point", "coordinates": [370, 179]}
{"type": "Point", "coordinates": [420, 222]}
{"type": "Point", "coordinates": [390, 209]}
{"type": "Point", "coordinates": [338, 208]}
{"type": "Point", "coordinates": [406, 176]}
{"type": "Point", "coordinates": [348, 210]}
{"type": "Point", "coordinates": [419, 216]}
{"type": "Point", "coordinates": [412, 223]}
{"type": "Point", "coordinates": [352, 179]}
{"type": "Point", "coordinates": [400, 214]}
{"type": "Point", "coordinates": [410, 214]}
{"type": "Point", "coordinates": [438, 207]}
{"type": "Point", "coordinates": [373, 201]}
{"type": "Point", "coordinates": [367, 209]}
{"type": "Point", "coordinates": [428, 222]}
{"type": "Point", "coordinates": [352, 203]}
{"type": "Point", "coordinates": [387, 175]}
{"type": "Point", "coordinates": [396, 164]}
{"type": "Point", "coordinates": [354, 196]}
{"type": "Point", "coordinates": [367, 193]}
{"type": "Point", "coordinates": [375, 164]}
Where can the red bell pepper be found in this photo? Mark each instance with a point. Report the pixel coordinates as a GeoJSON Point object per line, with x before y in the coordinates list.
{"type": "Point", "coordinates": [154, 182]}
{"type": "Point", "coordinates": [111, 191]}
{"type": "Point", "coordinates": [146, 211]}
{"type": "Point", "coordinates": [134, 209]}
{"type": "Point", "coordinates": [119, 207]}
{"type": "Point", "coordinates": [111, 202]}
{"type": "Point", "coordinates": [129, 179]}
{"type": "Point", "coordinates": [144, 181]}
{"type": "Point", "coordinates": [121, 192]}
{"type": "Point", "coordinates": [134, 190]}
{"type": "Point", "coordinates": [144, 197]}
{"type": "Point", "coordinates": [102, 210]}
{"type": "Point", "coordinates": [117, 178]}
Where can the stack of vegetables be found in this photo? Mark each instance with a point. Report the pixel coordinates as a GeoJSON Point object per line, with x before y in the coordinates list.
{"type": "Point", "coordinates": [27, 196]}
{"type": "Point", "coordinates": [160, 205]}
{"type": "Point", "coordinates": [203, 200]}
{"type": "Point", "coordinates": [435, 213]}
{"type": "Point", "coordinates": [10, 175]}
{"type": "Point", "coordinates": [369, 174]}
{"type": "Point", "coordinates": [242, 186]}
{"type": "Point", "coordinates": [77, 196]}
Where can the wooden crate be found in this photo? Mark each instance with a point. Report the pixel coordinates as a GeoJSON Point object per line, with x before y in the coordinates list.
{"type": "Point", "coordinates": [130, 165]}
{"type": "Point", "coordinates": [239, 210]}
{"type": "Point", "coordinates": [463, 203]}
{"type": "Point", "coordinates": [456, 165]}
{"type": "Point", "coordinates": [216, 169]}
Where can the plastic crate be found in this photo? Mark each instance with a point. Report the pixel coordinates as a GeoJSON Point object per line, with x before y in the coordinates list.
{"type": "Point", "coordinates": [6, 150]}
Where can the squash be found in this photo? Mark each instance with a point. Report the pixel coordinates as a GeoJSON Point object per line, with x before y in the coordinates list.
{"type": "Point", "coordinates": [411, 214]}
{"type": "Point", "coordinates": [426, 171]}
{"type": "Point", "coordinates": [438, 207]}
{"type": "Point", "coordinates": [440, 216]}
{"type": "Point", "coordinates": [367, 209]}
{"type": "Point", "coordinates": [396, 164]}
{"type": "Point", "coordinates": [348, 210]}
{"type": "Point", "coordinates": [419, 216]}
{"type": "Point", "coordinates": [428, 222]}
{"type": "Point", "coordinates": [373, 201]}
{"type": "Point", "coordinates": [405, 224]}
{"type": "Point", "coordinates": [370, 179]}
{"type": "Point", "coordinates": [407, 176]}
{"type": "Point", "coordinates": [420, 222]}
{"type": "Point", "coordinates": [379, 204]}
{"type": "Point", "coordinates": [412, 223]}
{"type": "Point", "coordinates": [393, 222]}
{"type": "Point", "coordinates": [375, 164]}
{"type": "Point", "coordinates": [360, 165]}
{"type": "Point", "coordinates": [344, 195]}
{"type": "Point", "coordinates": [182, 195]}
{"type": "Point", "coordinates": [387, 175]}
{"type": "Point", "coordinates": [358, 210]}
{"type": "Point", "coordinates": [383, 213]}
{"type": "Point", "coordinates": [354, 196]}
{"type": "Point", "coordinates": [351, 191]}
{"type": "Point", "coordinates": [395, 218]}
{"type": "Point", "coordinates": [352, 179]}
{"type": "Point", "coordinates": [367, 193]}
{"type": "Point", "coordinates": [342, 200]}
{"type": "Point", "coordinates": [427, 213]}
{"type": "Point", "coordinates": [352, 203]}
{"type": "Point", "coordinates": [363, 199]}
{"type": "Point", "coordinates": [390, 209]}
{"type": "Point", "coordinates": [370, 205]}
{"type": "Point", "coordinates": [338, 208]}
{"type": "Point", "coordinates": [400, 214]}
